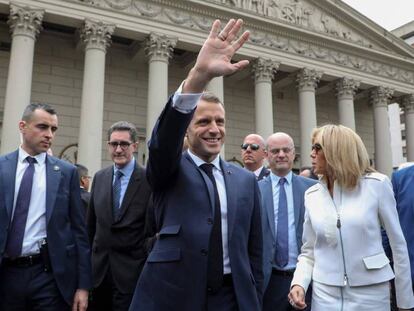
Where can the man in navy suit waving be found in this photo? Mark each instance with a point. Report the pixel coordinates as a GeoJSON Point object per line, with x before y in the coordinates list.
{"type": "Point", "coordinates": [44, 249]}
{"type": "Point", "coordinates": [208, 254]}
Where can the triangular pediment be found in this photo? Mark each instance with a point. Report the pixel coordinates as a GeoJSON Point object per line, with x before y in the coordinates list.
{"type": "Point", "coordinates": [331, 18]}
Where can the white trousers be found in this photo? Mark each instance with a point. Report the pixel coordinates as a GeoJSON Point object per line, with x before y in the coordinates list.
{"type": "Point", "coordinates": [375, 297]}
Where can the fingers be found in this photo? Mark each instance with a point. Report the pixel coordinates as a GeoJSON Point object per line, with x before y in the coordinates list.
{"type": "Point", "coordinates": [235, 28]}
{"type": "Point", "coordinates": [228, 29]}
{"type": "Point", "coordinates": [243, 38]}
{"type": "Point", "coordinates": [297, 297]}
{"type": "Point", "coordinates": [215, 29]}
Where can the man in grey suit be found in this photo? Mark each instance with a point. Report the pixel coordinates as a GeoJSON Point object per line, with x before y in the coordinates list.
{"type": "Point", "coordinates": [282, 221]}
{"type": "Point", "coordinates": [116, 222]}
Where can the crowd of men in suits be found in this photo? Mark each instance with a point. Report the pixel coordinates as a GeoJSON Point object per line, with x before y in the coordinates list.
{"type": "Point", "coordinates": [190, 232]}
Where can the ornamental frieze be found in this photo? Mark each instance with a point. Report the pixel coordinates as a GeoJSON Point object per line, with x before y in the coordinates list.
{"type": "Point", "coordinates": [296, 12]}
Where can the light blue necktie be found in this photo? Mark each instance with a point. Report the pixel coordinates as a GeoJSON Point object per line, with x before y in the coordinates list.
{"type": "Point", "coordinates": [116, 192]}
{"type": "Point", "coordinates": [282, 235]}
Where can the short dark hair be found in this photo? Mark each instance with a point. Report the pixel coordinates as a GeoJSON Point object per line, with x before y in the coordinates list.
{"type": "Point", "coordinates": [124, 126]}
{"type": "Point", "coordinates": [211, 98]}
{"type": "Point", "coordinates": [82, 170]}
{"type": "Point", "coordinates": [30, 109]}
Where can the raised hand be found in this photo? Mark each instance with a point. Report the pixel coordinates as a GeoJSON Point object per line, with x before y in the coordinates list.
{"type": "Point", "coordinates": [214, 58]}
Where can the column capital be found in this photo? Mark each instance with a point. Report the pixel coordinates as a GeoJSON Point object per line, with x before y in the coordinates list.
{"type": "Point", "coordinates": [264, 70]}
{"type": "Point", "coordinates": [380, 96]}
{"type": "Point", "coordinates": [96, 34]}
{"type": "Point", "coordinates": [308, 79]}
{"type": "Point", "coordinates": [24, 20]}
{"type": "Point", "coordinates": [408, 103]}
{"type": "Point", "coordinates": [160, 47]}
{"type": "Point", "coordinates": [346, 87]}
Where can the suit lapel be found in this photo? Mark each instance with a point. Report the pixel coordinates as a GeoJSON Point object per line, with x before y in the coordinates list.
{"type": "Point", "coordinates": [107, 191]}
{"type": "Point", "coordinates": [268, 202]}
{"type": "Point", "coordinates": [297, 202]}
{"type": "Point", "coordinates": [8, 173]}
{"type": "Point", "coordinates": [53, 175]}
{"type": "Point", "coordinates": [133, 186]}
{"type": "Point", "coordinates": [230, 181]}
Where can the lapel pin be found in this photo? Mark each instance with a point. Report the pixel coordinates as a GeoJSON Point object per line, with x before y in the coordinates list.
{"type": "Point", "coordinates": [229, 172]}
{"type": "Point", "coordinates": [56, 168]}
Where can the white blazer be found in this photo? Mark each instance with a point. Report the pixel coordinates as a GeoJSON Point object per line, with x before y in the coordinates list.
{"type": "Point", "coordinates": [358, 257]}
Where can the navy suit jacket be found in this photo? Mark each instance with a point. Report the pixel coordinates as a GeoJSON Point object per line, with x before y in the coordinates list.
{"type": "Point", "coordinates": [403, 185]}
{"type": "Point", "coordinates": [175, 274]}
{"type": "Point", "coordinates": [299, 186]}
{"type": "Point", "coordinates": [65, 225]}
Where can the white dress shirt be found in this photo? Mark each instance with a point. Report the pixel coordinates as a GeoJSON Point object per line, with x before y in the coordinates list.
{"type": "Point", "coordinates": [36, 219]}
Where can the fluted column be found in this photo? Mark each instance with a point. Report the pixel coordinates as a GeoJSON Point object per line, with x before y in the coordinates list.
{"type": "Point", "coordinates": [307, 80]}
{"type": "Point", "coordinates": [216, 86]}
{"type": "Point", "coordinates": [345, 89]}
{"type": "Point", "coordinates": [25, 24]}
{"type": "Point", "coordinates": [380, 97]}
{"type": "Point", "coordinates": [96, 37]}
{"type": "Point", "coordinates": [159, 49]}
{"type": "Point", "coordinates": [408, 104]}
{"type": "Point", "coordinates": [263, 72]}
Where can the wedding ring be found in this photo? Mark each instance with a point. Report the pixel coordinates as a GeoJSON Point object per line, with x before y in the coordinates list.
{"type": "Point", "coordinates": [221, 37]}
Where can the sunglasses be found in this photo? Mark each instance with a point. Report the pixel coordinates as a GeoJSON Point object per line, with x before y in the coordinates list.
{"type": "Point", "coordinates": [123, 144]}
{"type": "Point", "coordinates": [253, 147]}
{"type": "Point", "coordinates": [317, 147]}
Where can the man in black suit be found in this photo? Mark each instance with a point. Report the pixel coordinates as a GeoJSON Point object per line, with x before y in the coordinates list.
{"type": "Point", "coordinates": [116, 222]}
{"type": "Point", "coordinates": [253, 153]}
{"type": "Point", "coordinates": [208, 252]}
{"type": "Point", "coordinates": [44, 249]}
{"type": "Point", "coordinates": [84, 185]}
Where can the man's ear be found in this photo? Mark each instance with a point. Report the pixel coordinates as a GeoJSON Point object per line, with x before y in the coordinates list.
{"type": "Point", "coordinates": [22, 125]}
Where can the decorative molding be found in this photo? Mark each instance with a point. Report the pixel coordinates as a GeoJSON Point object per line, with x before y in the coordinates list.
{"type": "Point", "coordinates": [160, 47]}
{"type": "Point", "coordinates": [308, 79]}
{"type": "Point", "coordinates": [380, 96]}
{"type": "Point", "coordinates": [346, 88]}
{"type": "Point", "coordinates": [408, 103]}
{"type": "Point", "coordinates": [264, 70]}
{"type": "Point", "coordinates": [302, 14]}
{"type": "Point", "coordinates": [96, 34]}
{"type": "Point", "coordinates": [25, 20]}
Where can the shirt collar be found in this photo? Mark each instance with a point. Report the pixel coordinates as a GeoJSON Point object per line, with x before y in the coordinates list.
{"type": "Point", "coordinates": [275, 178]}
{"type": "Point", "coordinates": [258, 171]}
{"type": "Point", "coordinates": [40, 158]}
{"type": "Point", "coordinates": [127, 169]}
{"type": "Point", "coordinates": [198, 161]}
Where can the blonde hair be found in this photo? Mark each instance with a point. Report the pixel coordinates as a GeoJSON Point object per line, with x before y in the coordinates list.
{"type": "Point", "coordinates": [346, 157]}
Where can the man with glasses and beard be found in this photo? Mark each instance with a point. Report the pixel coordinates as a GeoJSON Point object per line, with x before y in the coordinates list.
{"type": "Point", "coordinates": [253, 153]}
{"type": "Point", "coordinates": [116, 222]}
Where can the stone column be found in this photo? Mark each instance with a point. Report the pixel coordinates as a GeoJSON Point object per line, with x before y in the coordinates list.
{"type": "Point", "coordinates": [96, 37]}
{"type": "Point", "coordinates": [408, 104]}
{"type": "Point", "coordinates": [307, 80]}
{"type": "Point", "coordinates": [159, 49]}
{"type": "Point", "coordinates": [346, 88]}
{"type": "Point", "coordinates": [380, 97]}
{"type": "Point", "coordinates": [216, 86]}
{"type": "Point", "coordinates": [263, 72]}
{"type": "Point", "coordinates": [25, 24]}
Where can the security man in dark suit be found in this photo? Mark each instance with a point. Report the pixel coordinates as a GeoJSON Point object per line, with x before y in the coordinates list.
{"type": "Point", "coordinates": [116, 222]}
{"type": "Point", "coordinates": [84, 179]}
{"type": "Point", "coordinates": [253, 154]}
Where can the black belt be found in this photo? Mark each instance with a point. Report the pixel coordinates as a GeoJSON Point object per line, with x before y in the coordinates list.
{"type": "Point", "coordinates": [227, 280]}
{"type": "Point", "coordinates": [25, 261]}
{"type": "Point", "coordinates": [282, 272]}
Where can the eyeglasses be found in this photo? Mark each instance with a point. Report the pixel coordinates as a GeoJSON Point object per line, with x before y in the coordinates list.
{"type": "Point", "coordinates": [277, 150]}
{"type": "Point", "coordinates": [253, 147]}
{"type": "Point", "coordinates": [317, 147]}
{"type": "Point", "coordinates": [123, 144]}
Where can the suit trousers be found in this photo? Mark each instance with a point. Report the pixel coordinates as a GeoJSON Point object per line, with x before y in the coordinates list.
{"type": "Point", "coordinates": [106, 297]}
{"type": "Point", "coordinates": [276, 294]}
{"type": "Point", "coordinates": [224, 299]}
{"type": "Point", "coordinates": [29, 288]}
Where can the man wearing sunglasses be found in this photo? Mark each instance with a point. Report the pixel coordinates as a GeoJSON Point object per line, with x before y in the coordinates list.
{"type": "Point", "coordinates": [253, 154]}
{"type": "Point", "coordinates": [282, 221]}
{"type": "Point", "coordinates": [116, 220]}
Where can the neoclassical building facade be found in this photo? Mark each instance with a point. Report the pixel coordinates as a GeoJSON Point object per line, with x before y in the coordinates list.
{"type": "Point", "coordinates": [101, 61]}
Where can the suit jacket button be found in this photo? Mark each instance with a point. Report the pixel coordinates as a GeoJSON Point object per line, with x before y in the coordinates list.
{"type": "Point", "coordinates": [209, 289]}
{"type": "Point", "coordinates": [210, 221]}
{"type": "Point", "coordinates": [204, 252]}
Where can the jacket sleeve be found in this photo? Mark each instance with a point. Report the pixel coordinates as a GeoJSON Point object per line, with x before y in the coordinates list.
{"type": "Point", "coordinates": [306, 259]}
{"type": "Point", "coordinates": [389, 218]}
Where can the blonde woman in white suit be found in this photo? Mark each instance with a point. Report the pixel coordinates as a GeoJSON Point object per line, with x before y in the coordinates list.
{"type": "Point", "coordinates": [342, 249]}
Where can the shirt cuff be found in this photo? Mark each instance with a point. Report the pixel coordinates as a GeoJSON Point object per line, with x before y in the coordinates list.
{"type": "Point", "coordinates": [185, 103]}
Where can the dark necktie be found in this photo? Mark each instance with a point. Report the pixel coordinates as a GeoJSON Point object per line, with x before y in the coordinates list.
{"type": "Point", "coordinates": [282, 235]}
{"type": "Point", "coordinates": [21, 210]}
{"type": "Point", "coordinates": [215, 252]}
{"type": "Point", "coordinates": [116, 192]}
